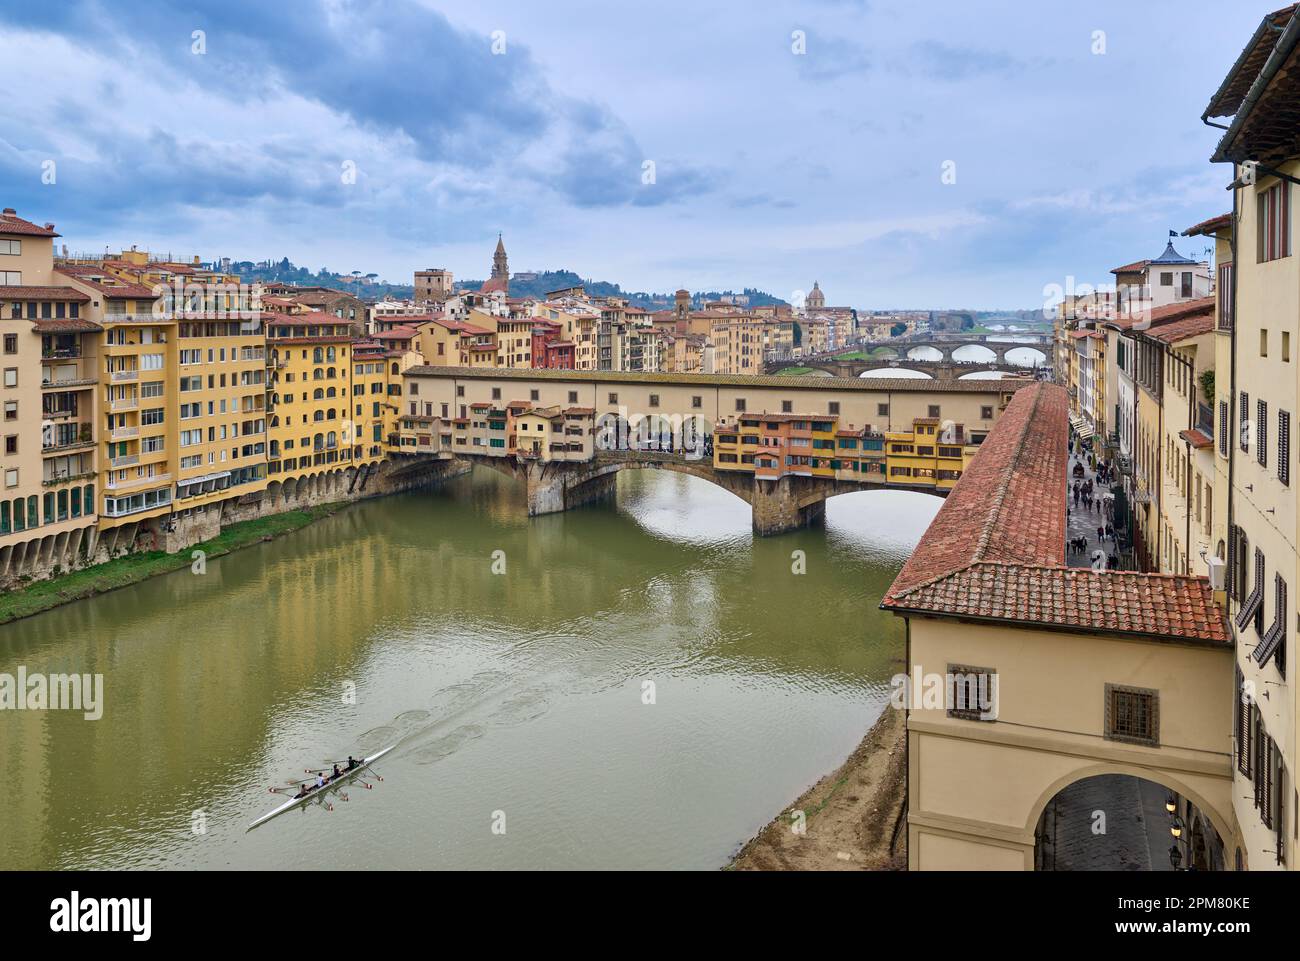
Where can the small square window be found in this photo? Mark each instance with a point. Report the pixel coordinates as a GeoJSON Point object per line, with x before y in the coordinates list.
{"type": "Point", "coordinates": [654, 400]}
{"type": "Point", "coordinates": [974, 693]}
{"type": "Point", "coordinates": [534, 395]}
{"type": "Point", "coordinates": [833, 407]}
{"type": "Point", "coordinates": [460, 390]}
{"type": "Point", "coordinates": [697, 401]}
{"type": "Point", "coordinates": [787, 407]}
{"type": "Point", "coordinates": [496, 393]}
{"type": "Point", "coordinates": [11, 343]}
{"type": "Point", "coordinates": [613, 398]}
{"type": "Point", "coordinates": [1132, 715]}
{"type": "Point", "coordinates": [986, 413]}
{"type": "Point", "coordinates": [934, 410]}
{"type": "Point", "coordinates": [882, 410]}
{"type": "Point", "coordinates": [740, 404]}
{"type": "Point", "coordinates": [573, 397]}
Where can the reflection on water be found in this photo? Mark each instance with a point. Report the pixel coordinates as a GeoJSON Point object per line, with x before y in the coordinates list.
{"type": "Point", "coordinates": [520, 692]}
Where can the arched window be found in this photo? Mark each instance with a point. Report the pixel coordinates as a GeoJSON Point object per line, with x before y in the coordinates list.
{"type": "Point", "coordinates": [395, 370]}
{"type": "Point", "coordinates": [332, 439]}
{"type": "Point", "coordinates": [318, 374]}
{"type": "Point", "coordinates": [88, 499]}
{"type": "Point", "coordinates": [20, 515]}
{"type": "Point", "coordinates": [331, 392]}
{"type": "Point", "coordinates": [317, 355]}
{"type": "Point", "coordinates": [318, 394]}
{"type": "Point", "coordinates": [49, 510]}
{"type": "Point", "coordinates": [318, 416]}
{"type": "Point", "coordinates": [331, 373]}
{"type": "Point", "coordinates": [331, 414]}
{"type": "Point", "coordinates": [329, 355]}
{"type": "Point", "coordinates": [63, 504]}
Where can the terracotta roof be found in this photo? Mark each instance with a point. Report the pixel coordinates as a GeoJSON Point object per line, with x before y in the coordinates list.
{"type": "Point", "coordinates": [1228, 98]}
{"type": "Point", "coordinates": [11, 223]}
{"type": "Point", "coordinates": [66, 325]}
{"type": "Point", "coordinates": [43, 293]}
{"type": "Point", "coordinates": [94, 278]}
{"type": "Point", "coordinates": [1177, 322]}
{"type": "Point", "coordinates": [1133, 268]}
{"type": "Point", "coordinates": [1196, 438]}
{"type": "Point", "coordinates": [1213, 225]}
{"type": "Point", "coordinates": [995, 551]}
{"type": "Point", "coordinates": [871, 385]}
{"type": "Point", "coordinates": [1080, 599]}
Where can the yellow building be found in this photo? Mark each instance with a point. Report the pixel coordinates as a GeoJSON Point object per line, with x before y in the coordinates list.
{"type": "Point", "coordinates": [1263, 302]}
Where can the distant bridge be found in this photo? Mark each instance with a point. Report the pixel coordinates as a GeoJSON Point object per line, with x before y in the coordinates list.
{"type": "Point", "coordinates": [899, 352]}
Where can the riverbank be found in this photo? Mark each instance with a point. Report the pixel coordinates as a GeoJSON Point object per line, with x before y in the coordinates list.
{"type": "Point", "coordinates": [129, 569]}
{"type": "Point", "coordinates": [856, 817]}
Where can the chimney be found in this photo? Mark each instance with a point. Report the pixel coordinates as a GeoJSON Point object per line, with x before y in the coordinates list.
{"type": "Point", "coordinates": [10, 212]}
{"type": "Point", "coordinates": [49, 226]}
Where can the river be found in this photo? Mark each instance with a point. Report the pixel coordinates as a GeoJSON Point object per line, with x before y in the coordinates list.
{"type": "Point", "coordinates": [519, 698]}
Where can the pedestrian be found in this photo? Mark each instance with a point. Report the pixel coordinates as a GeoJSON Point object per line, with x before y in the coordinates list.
{"type": "Point", "coordinates": [1101, 533]}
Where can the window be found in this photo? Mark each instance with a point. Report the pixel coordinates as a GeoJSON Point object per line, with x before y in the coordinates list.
{"type": "Point", "coordinates": [654, 399]}
{"type": "Point", "coordinates": [1273, 642]}
{"type": "Point", "coordinates": [740, 404]}
{"type": "Point", "coordinates": [974, 693]}
{"type": "Point", "coordinates": [11, 341]}
{"type": "Point", "coordinates": [11, 410]}
{"type": "Point", "coordinates": [613, 398]}
{"type": "Point", "coordinates": [11, 377]}
{"type": "Point", "coordinates": [1132, 715]}
{"type": "Point", "coordinates": [1261, 432]}
{"type": "Point", "coordinates": [833, 407]}
{"type": "Point", "coordinates": [1263, 342]}
{"type": "Point", "coordinates": [1244, 428]}
{"type": "Point", "coordinates": [986, 413]}
{"type": "Point", "coordinates": [573, 397]}
{"type": "Point", "coordinates": [1253, 606]}
{"type": "Point", "coordinates": [11, 477]}
{"type": "Point", "coordinates": [1223, 428]}
{"type": "Point", "coordinates": [11, 444]}
{"type": "Point", "coordinates": [496, 393]}
{"type": "Point", "coordinates": [787, 407]}
{"type": "Point", "coordinates": [1274, 238]}
{"type": "Point", "coordinates": [1284, 447]}
{"type": "Point", "coordinates": [1166, 278]}
{"type": "Point", "coordinates": [1286, 347]}
{"type": "Point", "coordinates": [1241, 725]}
{"type": "Point", "coordinates": [534, 395]}
{"type": "Point", "coordinates": [934, 410]}
{"type": "Point", "coordinates": [11, 247]}
{"type": "Point", "coordinates": [1227, 278]}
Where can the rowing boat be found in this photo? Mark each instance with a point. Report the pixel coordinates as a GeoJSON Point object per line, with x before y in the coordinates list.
{"type": "Point", "coordinates": [317, 791]}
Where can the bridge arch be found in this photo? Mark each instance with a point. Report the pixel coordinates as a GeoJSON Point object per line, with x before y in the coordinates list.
{"type": "Point", "coordinates": [1168, 780]}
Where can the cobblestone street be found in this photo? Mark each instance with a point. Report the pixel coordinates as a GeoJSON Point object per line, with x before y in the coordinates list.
{"type": "Point", "coordinates": [1084, 519]}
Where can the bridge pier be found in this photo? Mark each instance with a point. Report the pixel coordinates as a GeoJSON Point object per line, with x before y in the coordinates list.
{"type": "Point", "coordinates": [787, 504]}
{"type": "Point", "coordinates": [555, 487]}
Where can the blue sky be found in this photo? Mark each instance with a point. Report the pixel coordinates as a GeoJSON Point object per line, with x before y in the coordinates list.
{"type": "Point", "coordinates": [771, 168]}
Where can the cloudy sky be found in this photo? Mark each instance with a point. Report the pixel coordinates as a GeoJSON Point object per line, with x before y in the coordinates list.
{"type": "Point", "coordinates": [771, 167]}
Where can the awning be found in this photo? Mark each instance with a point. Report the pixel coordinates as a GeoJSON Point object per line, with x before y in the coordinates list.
{"type": "Point", "coordinates": [1081, 426]}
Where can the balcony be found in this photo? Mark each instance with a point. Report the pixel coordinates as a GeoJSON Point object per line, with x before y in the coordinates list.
{"type": "Point", "coordinates": [61, 353]}
{"type": "Point", "coordinates": [126, 460]}
{"type": "Point", "coordinates": [126, 403]}
{"type": "Point", "coordinates": [124, 433]}
{"type": "Point", "coordinates": [121, 375]}
{"type": "Point", "coordinates": [66, 477]}
{"type": "Point", "coordinates": [69, 437]}
{"type": "Point", "coordinates": [113, 485]}
{"type": "Point", "coordinates": [70, 384]}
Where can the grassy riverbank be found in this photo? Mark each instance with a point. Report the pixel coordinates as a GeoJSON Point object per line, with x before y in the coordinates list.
{"type": "Point", "coordinates": [133, 568]}
{"type": "Point", "coordinates": [855, 817]}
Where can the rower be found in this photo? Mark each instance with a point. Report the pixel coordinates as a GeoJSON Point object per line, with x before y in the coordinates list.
{"type": "Point", "coordinates": [351, 762]}
{"type": "Point", "coordinates": [320, 780]}
{"type": "Point", "coordinates": [336, 772]}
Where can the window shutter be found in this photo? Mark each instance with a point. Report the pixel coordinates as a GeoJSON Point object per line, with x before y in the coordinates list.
{"type": "Point", "coordinates": [1284, 447]}
{"type": "Point", "coordinates": [1266, 788]}
{"type": "Point", "coordinates": [1233, 536]}
{"type": "Point", "coordinates": [1261, 433]}
{"type": "Point", "coordinates": [1243, 727]}
{"type": "Point", "coordinates": [1223, 428]}
{"type": "Point", "coordinates": [1243, 429]}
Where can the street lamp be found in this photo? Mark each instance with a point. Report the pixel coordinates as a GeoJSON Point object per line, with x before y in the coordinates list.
{"type": "Point", "coordinates": [1176, 829]}
{"type": "Point", "coordinates": [1175, 856]}
{"type": "Point", "coordinates": [1170, 804]}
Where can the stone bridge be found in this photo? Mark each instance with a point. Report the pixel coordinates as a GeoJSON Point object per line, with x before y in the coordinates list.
{"type": "Point", "coordinates": [778, 506]}
{"type": "Point", "coordinates": [939, 370]}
